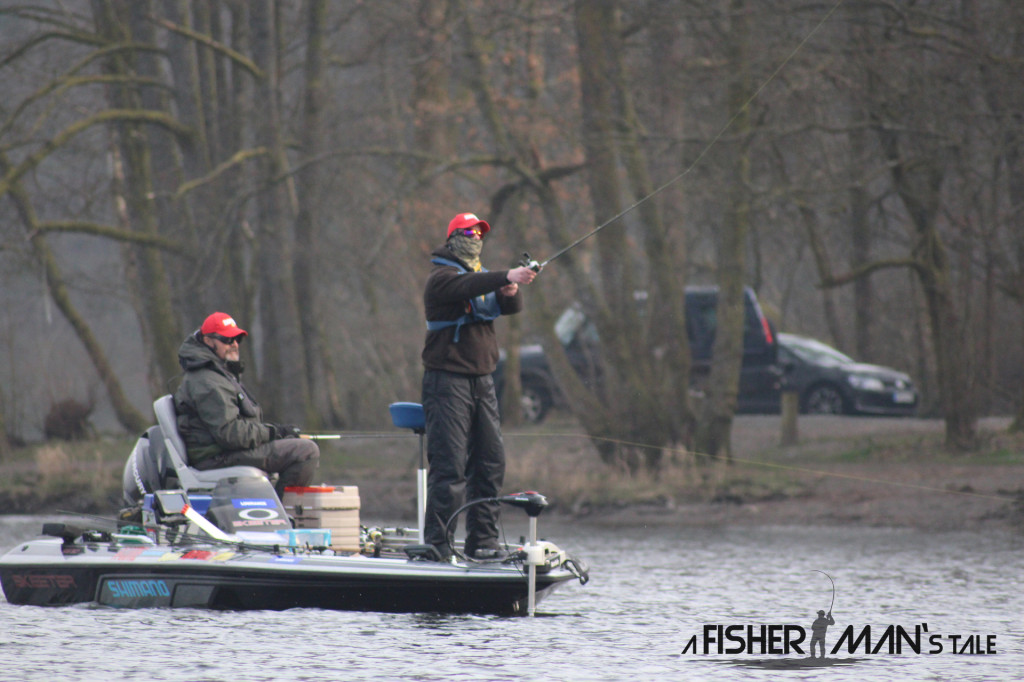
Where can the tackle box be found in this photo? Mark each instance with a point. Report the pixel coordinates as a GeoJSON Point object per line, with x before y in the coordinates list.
{"type": "Point", "coordinates": [335, 508]}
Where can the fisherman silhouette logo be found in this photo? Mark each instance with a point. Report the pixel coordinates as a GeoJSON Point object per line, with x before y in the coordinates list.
{"type": "Point", "coordinates": [820, 625]}
{"type": "Point", "coordinates": [818, 628]}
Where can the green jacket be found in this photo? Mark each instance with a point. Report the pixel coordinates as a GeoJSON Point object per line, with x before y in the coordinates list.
{"type": "Point", "coordinates": [215, 412]}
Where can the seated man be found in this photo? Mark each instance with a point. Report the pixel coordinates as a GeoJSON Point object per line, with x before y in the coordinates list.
{"type": "Point", "coordinates": [220, 422]}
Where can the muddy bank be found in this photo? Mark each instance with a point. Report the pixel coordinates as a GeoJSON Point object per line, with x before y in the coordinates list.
{"type": "Point", "coordinates": [945, 498]}
{"type": "Point", "coordinates": [863, 472]}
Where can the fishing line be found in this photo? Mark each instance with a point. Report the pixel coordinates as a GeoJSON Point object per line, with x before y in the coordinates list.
{"type": "Point", "coordinates": [538, 266]}
{"type": "Point", "coordinates": [833, 587]}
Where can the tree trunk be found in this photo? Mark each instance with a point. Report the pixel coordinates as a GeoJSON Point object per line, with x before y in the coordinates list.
{"type": "Point", "coordinates": [434, 133]}
{"type": "Point", "coordinates": [307, 225]}
{"type": "Point", "coordinates": [614, 313]}
{"type": "Point", "coordinates": [918, 186]}
{"type": "Point", "coordinates": [668, 381]}
{"type": "Point", "coordinates": [5, 444]}
{"type": "Point", "coordinates": [284, 376]}
{"type": "Point", "coordinates": [137, 186]}
{"type": "Point", "coordinates": [714, 430]}
{"type": "Point", "coordinates": [860, 228]}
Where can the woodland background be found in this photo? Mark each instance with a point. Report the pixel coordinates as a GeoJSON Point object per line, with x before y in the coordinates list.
{"type": "Point", "coordinates": [293, 162]}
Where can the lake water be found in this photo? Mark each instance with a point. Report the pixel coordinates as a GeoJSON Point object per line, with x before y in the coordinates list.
{"type": "Point", "coordinates": [651, 591]}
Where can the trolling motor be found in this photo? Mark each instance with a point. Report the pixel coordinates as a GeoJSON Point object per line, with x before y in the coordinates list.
{"type": "Point", "coordinates": [533, 555]}
{"type": "Point", "coordinates": [533, 504]}
{"type": "Point", "coordinates": [529, 501]}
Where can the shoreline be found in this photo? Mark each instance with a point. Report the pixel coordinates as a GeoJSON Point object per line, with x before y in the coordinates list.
{"type": "Point", "coordinates": [858, 471]}
{"type": "Point", "coordinates": [843, 471]}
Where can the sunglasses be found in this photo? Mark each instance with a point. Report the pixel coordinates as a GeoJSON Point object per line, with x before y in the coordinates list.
{"type": "Point", "coordinates": [226, 341]}
{"type": "Point", "coordinates": [470, 232]}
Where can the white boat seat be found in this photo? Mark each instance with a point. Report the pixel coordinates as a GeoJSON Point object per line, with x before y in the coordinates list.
{"type": "Point", "coordinates": [189, 477]}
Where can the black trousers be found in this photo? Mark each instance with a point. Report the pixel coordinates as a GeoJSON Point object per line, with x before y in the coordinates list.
{"type": "Point", "coordinates": [465, 453]}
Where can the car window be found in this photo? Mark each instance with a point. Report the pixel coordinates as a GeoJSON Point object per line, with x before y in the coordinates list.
{"type": "Point", "coordinates": [814, 352]}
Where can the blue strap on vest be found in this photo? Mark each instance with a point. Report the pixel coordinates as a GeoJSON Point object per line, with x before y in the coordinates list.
{"type": "Point", "coordinates": [481, 309]}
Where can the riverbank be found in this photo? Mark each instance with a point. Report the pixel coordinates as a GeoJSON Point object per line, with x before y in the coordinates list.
{"type": "Point", "coordinates": [848, 471]}
{"type": "Point", "coordinates": [843, 471]}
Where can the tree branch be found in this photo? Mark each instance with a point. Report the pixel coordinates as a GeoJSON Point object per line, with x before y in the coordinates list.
{"type": "Point", "coordinates": [100, 230]}
{"type": "Point", "coordinates": [867, 269]}
{"type": "Point", "coordinates": [236, 159]}
{"type": "Point", "coordinates": [63, 137]}
{"type": "Point", "coordinates": [218, 47]}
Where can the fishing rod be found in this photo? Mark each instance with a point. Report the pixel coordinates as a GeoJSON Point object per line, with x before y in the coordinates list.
{"type": "Point", "coordinates": [529, 262]}
{"type": "Point", "coordinates": [341, 436]}
{"type": "Point", "coordinates": [833, 588]}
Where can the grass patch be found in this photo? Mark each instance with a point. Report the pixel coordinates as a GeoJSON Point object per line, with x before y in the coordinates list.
{"type": "Point", "coordinates": [71, 475]}
{"type": "Point", "coordinates": [861, 454]}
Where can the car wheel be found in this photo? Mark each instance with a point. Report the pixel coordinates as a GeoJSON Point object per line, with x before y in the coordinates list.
{"type": "Point", "coordinates": [536, 404]}
{"type": "Point", "coordinates": [824, 399]}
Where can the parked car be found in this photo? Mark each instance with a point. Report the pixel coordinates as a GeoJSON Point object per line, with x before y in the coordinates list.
{"type": "Point", "coordinates": [830, 382]}
{"type": "Point", "coordinates": [760, 376]}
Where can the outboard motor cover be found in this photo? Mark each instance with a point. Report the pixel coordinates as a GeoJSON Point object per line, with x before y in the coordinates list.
{"type": "Point", "coordinates": [247, 503]}
{"type": "Point", "coordinates": [143, 470]}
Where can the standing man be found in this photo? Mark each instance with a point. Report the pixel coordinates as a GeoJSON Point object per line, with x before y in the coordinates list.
{"type": "Point", "coordinates": [221, 424]}
{"type": "Point", "coordinates": [464, 446]}
{"type": "Point", "coordinates": [818, 628]}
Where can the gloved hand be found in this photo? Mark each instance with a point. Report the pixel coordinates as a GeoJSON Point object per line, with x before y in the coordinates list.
{"type": "Point", "coordinates": [279, 431]}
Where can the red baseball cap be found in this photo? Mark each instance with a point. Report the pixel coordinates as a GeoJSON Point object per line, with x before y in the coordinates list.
{"type": "Point", "coordinates": [223, 324]}
{"type": "Point", "coordinates": [464, 220]}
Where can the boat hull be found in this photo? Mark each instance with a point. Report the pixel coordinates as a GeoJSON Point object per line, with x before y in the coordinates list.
{"type": "Point", "coordinates": [47, 573]}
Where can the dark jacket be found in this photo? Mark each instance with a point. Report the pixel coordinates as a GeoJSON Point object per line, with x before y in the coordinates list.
{"type": "Point", "coordinates": [446, 297]}
{"type": "Point", "coordinates": [215, 412]}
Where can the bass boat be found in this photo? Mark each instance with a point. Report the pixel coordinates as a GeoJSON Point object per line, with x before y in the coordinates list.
{"type": "Point", "coordinates": [223, 539]}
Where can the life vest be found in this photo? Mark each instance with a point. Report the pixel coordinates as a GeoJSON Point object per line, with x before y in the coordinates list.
{"type": "Point", "coordinates": [481, 309]}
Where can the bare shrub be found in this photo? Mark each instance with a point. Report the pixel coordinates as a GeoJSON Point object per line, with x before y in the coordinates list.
{"type": "Point", "coordinates": [68, 420]}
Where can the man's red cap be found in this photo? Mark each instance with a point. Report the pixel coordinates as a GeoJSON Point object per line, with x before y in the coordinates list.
{"type": "Point", "coordinates": [464, 220]}
{"type": "Point", "coordinates": [223, 324]}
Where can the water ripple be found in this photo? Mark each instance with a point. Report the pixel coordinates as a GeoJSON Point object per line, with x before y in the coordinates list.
{"type": "Point", "coordinates": [651, 591]}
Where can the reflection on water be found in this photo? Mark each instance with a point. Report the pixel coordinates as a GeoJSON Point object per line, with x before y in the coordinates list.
{"type": "Point", "coordinates": [651, 590]}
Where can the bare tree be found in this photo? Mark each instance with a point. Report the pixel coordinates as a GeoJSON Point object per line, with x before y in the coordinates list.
{"type": "Point", "coordinates": [293, 162]}
{"type": "Point", "coordinates": [713, 434]}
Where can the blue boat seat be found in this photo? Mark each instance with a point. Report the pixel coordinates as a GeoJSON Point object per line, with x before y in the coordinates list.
{"type": "Point", "coordinates": [408, 416]}
{"type": "Point", "coordinates": [189, 477]}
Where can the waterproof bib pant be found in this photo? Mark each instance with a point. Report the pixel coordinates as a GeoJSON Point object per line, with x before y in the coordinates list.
{"type": "Point", "coordinates": [294, 459]}
{"type": "Point", "coordinates": [466, 456]}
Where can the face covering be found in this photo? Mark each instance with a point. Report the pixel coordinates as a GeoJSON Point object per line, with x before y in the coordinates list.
{"type": "Point", "coordinates": [467, 249]}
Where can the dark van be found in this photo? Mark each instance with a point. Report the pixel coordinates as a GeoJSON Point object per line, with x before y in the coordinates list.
{"type": "Point", "coordinates": [759, 374]}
